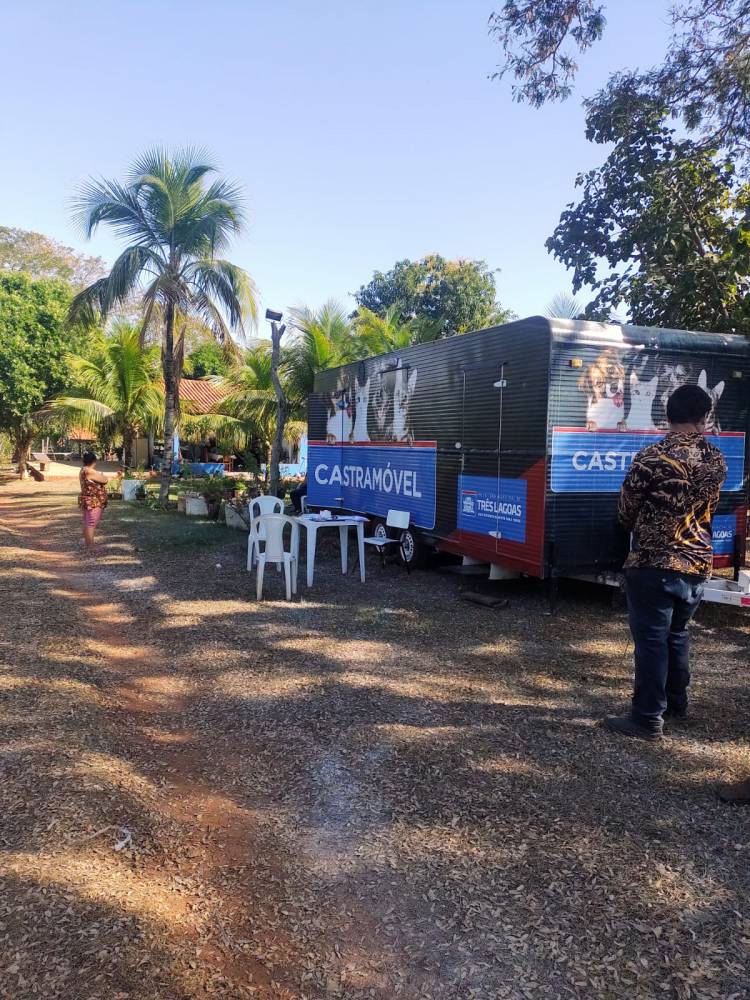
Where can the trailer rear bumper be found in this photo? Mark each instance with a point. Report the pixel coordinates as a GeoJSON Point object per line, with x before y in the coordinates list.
{"type": "Point", "coordinates": [718, 589]}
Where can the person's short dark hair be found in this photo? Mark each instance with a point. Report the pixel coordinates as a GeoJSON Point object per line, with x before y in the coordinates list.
{"type": "Point", "coordinates": [688, 405]}
{"type": "Point", "coordinates": [89, 458]}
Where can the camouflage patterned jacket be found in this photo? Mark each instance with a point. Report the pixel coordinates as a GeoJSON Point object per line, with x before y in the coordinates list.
{"type": "Point", "coordinates": [668, 499]}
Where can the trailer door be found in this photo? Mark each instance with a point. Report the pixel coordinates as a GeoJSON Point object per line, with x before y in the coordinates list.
{"type": "Point", "coordinates": [481, 454]}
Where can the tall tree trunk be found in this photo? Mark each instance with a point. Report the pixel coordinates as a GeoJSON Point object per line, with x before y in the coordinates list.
{"type": "Point", "coordinates": [170, 403]}
{"type": "Point", "coordinates": [22, 438]}
{"type": "Point", "coordinates": [128, 436]}
{"type": "Point", "coordinates": [281, 407]}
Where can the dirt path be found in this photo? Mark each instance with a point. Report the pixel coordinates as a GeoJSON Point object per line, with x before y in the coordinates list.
{"type": "Point", "coordinates": [375, 792]}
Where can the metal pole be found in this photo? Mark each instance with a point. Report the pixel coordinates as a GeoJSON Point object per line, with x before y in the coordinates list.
{"type": "Point", "coordinates": [501, 386]}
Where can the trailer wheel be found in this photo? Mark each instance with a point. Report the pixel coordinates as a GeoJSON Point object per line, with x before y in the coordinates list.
{"type": "Point", "coordinates": [414, 553]}
{"type": "Point", "coordinates": [380, 530]}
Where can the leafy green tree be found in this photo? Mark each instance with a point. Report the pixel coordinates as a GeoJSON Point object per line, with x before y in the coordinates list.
{"type": "Point", "coordinates": [704, 78]}
{"type": "Point", "coordinates": [6, 448]}
{"type": "Point", "coordinates": [209, 358]}
{"type": "Point", "coordinates": [388, 332]}
{"type": "Point", "coordinates": [116, 387]}
{"type": "Point", "coordinates": [662, 226]}
{"type": "Point", "coordinates": [460, 294]}
{"type": "Point", "coordinates": [539, 38]}
{"type": "Point", "coordinates": [176, 225]}
{"type": "Point", "coordinates": [42, 257]}
{"type": "Point", "coordinates": [34, 341]}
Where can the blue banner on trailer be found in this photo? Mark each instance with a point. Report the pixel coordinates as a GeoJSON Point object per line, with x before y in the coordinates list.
{"type": "Point", "coordinates": [597, 461]}
{"type": "Point", "coordinates": [724, 530]}
{"type": "Point", "coordinates": [374, 478]}
{"type": "Point", "coordinates": [491, 506]}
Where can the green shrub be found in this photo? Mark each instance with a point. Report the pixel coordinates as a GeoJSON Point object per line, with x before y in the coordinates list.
{"type": "Point", "coordinates": [215, 487]}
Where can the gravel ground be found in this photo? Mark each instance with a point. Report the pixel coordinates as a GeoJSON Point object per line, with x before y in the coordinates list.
{"type": "Point", "coordinates": [378, 791]}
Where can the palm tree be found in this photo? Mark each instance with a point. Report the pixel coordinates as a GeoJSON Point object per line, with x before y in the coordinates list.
{"type": "Point", "coordinates": [322, 339]}
{"type": "Point", "coordinates": [176, 225]}
{"type": "Point", "coordinates": [116, 390]}
{"type": "Point", "coordinates": [564, 306]}
{"type": "Point", "coordinates": [249, 407]}
{"type": "Point", "coordinates": [384, 333]}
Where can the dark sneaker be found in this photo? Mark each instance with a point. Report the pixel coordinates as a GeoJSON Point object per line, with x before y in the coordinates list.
{"type": "Point", "coordinates": [737, 791]}
{"type": "Point", "coordinates": [675, 714]}
{"type": "Point", "coordinates": [625, 726]}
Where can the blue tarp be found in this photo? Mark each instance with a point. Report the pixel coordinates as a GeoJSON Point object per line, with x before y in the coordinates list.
{"type": "Point", "coordinates": [204, 468]}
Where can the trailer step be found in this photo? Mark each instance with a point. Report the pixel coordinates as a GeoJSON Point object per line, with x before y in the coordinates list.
{"type": "Point", "coordinates": [720, 590]}
{"type": "Point", "coordinates": [486, 600]}
{"type": "Point", "coordinates": [474, 569]}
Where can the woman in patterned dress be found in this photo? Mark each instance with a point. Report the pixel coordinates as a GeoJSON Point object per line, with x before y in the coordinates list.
{"type": "Point", "coordinates": [93, 497]}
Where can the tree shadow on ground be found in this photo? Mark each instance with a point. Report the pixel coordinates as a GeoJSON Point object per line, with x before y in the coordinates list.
{"type": "Point", "coordinates": [388, 743]}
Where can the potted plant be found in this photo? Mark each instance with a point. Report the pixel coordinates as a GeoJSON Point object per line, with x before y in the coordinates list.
{"type": "Point", "coordinates": [114, 489]}
{"type": "Point", "coordinates": [132, 484]}
{"type": "Point", "coordinates": [213, 492]}
{"type": "Point", "coordinates": [195, 505]}
{"type": "Point", "coordinates": [185, 488]}
{"type": "Point", "coordinates": [229, 487]}
{"type": "Point", "coordinates": [236, 513]}
{"type": "Point", "coordinates": [195, 502]}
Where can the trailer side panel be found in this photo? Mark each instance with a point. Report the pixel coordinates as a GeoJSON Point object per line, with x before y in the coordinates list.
{"type": "Point", "coordinates": [454, 432]}
{"type": "Point", "coordinates": [608, 392]}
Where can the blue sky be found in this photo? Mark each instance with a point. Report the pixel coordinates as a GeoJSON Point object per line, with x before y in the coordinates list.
{"type": "Point", "coordinates": [362, 132]}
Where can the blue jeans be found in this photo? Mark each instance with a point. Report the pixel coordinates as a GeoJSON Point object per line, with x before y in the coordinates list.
{"type": "Point", "coordinates": [661, 603]}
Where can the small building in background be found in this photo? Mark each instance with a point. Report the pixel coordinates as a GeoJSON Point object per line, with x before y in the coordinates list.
{"type": "Point", "coordinates": [199, 397]}
{"type": "Point", "coordinates": [81, 440]}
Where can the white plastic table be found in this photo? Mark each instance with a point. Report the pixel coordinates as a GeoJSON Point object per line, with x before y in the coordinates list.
{"type": "Point", "coordinates": [312, 523]}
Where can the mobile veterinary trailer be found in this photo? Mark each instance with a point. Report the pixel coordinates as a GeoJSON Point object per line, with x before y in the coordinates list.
{"type": "Point", "coordinates": [509, 445]}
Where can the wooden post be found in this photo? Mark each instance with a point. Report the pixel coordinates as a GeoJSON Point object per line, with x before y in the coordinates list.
{"type": "Point", "coordinates": [277, 332]}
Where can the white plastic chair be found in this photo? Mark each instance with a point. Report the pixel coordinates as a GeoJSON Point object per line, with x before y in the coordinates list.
{"type": "Point", "coordinates": [269, 531]}
{"type": "Point", "coordinates": [398, 519]}
{"type": "Point", "coordinates": [257, 508]}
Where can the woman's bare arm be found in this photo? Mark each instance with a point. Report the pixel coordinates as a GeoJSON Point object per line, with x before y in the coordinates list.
{"type": "Point", "coordinates": [96, 477]}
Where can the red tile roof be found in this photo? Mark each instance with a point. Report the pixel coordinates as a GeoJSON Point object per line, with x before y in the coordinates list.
{"type": "Point", "coordinates": [200, 396]}
{"type": "Point", "coordinates": [81, 434]}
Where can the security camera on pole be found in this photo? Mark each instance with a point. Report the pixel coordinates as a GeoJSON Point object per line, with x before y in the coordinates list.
{"type": "Point", "coordinates": [277, 332]}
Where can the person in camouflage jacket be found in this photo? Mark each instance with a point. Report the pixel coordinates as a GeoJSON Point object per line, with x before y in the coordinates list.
{"type": "Point", "coordinates": [667, 502]}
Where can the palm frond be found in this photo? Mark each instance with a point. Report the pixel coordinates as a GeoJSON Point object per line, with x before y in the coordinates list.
{"type": "Point", "coordinates": [119, 383]}
{"type": "Point", "coordinates": [88, 305]}
{"type": "Point", "coordinates": [88, 413]}
{"type": "Point", "coordinates": [115, 204]}
{"type": "Point", "coordinates": [226, 284]}
{"type": "Point", "coordinates": [190, 164]}
{"type": "Point", "coordinates": [425, 329]}
{"type": "Point", "coordinates": [230, 431]}
{"type": "Point", "coordinates": [295, 430]}
{"type": "Point", "coordinates": [208, 223]}
{"type": "Point", "coordinates": [384, 333]}
{"type": "Point", "coordinates": [564, 306]}
{"type": "Point", "coordinates": [210, 314]}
